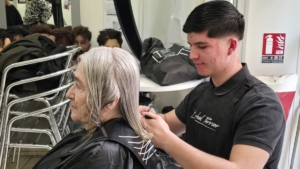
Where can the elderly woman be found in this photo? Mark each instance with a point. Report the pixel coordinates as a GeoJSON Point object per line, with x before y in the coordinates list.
{"type": "Point", "coordinates": [104, 99]}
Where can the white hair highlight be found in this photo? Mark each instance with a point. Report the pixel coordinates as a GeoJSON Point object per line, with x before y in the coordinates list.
{"type": "Point", "coordinates": [112, 73]}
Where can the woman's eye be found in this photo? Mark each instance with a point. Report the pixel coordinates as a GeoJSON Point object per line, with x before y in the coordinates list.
{"type": "Point", "coordinates": [202, 47]}
{"type": "Point", "coordinates": [76, 84]}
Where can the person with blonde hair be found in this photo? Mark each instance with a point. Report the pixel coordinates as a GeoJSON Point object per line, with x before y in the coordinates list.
{"type": "Point", "coordinates": [105, 100]}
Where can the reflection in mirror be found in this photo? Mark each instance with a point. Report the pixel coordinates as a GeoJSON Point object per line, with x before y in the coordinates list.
{"type": "Point", "coordinates": [13, 17]}
{"type": "Point", "coordinates": [61, 8]}
{"type": "Point", "coordinates": [66, 11]}
{"type": "Point", "coordinates": [164, 24]}
{"type": "Point", "coordinates": [167, 20]}
{"type": "Point", "coordinates": [128, 25]}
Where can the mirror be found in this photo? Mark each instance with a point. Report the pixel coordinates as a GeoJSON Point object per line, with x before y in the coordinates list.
{"type": "Point", "coordinates": [153, 18]}
{"type": "Point", "coordinates": [164, 24]}
{"type": "Point", "coordinates": [62, 11]}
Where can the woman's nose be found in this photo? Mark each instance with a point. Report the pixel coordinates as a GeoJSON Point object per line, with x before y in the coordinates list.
{"type": "Point", "coordinates": [70, 94]}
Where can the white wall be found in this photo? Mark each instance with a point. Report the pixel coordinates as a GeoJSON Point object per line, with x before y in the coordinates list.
{"type": "Point", "coordinates": [269, 16]}
{"type": "Point", "coordinates": [156, 24]}
{"type": "Point", "coordinates": [275, 16]}
{"type": "Point", "coordinates": [92, 16]}
{"type": "Point", "coordinates": [66, 14]}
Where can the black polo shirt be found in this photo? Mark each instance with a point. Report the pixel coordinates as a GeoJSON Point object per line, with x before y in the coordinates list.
{"type": "Point", "coordinates": [216, 120]}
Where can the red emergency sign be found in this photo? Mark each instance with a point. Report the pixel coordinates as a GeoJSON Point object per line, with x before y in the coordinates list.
{"type": "Point", "coordinates": [273, 44]}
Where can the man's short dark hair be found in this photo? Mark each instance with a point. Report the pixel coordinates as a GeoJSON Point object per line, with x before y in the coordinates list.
{"type": "Point", "coordinates": [17, 30]}
{"type": "Point", "coordinates": [39, 28]}
{"type": "Point", "coordinates": [3, 36]}
{"type": "Point", "coordinates": [218, 18]}
{"type": "Point", "coordinates": [63, 36]}
{"type": "Point", "coordinates": [83, 31]}
{"type": "Point", "coordinates": [109, 34]}
{"type": "Point", "coordinates": [51, 26]}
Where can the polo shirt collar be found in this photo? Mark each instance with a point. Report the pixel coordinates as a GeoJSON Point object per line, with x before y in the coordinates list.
{"type": "Point", "coordinates": [233, 82]}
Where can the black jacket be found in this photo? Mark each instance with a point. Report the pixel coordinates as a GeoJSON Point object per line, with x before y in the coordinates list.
{"type": "Point", "coordinates": [13, 16]}
{"type": "Point", "coordinates": [114, 146]}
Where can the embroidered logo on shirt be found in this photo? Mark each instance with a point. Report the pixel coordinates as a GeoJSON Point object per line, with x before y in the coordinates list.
{"type": "Point", "coordinates": [204, 120]}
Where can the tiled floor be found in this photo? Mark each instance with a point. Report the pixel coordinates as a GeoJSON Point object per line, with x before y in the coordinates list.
{"type": "Point", "coordinates": [26, 162]}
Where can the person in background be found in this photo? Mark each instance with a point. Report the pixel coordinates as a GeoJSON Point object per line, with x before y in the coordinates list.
{"type": "Point", "coordinates": [51, 26]}
{"type": "Point", "coordinates": [43, 29]}
{"type": "Point", "coordinates": [68, 27]}
{"type": "Point", "coordinates": [17, 32]}
{"type": "Point", "coordinates": [110, 38]}
{"type": "Point", "coordinates": [82, 37]}
{"type": "Point", "coordinates": [104, 99]}
{"type": "Point", "coordinates": [233, 121]}
{"type": "Point", "coordinates": [13, 16]}
{"type": "Point", "coordinates": [4, 39]}
{"type": "Point", "coordinates": [61, 36]}
{"type": "Point", "coordinates": [37, 11]}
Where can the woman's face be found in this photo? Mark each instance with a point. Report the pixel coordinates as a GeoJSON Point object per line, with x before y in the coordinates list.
{"type": "Point", "coordinates": [78, 96]}
{"type": "Point", "coordinates": [83, 43]}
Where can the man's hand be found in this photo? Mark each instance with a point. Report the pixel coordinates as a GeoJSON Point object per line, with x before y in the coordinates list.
{"type": "Point", "coordinates": [156, 125]}
{"type": "Point", "coordinates": [146, 109]}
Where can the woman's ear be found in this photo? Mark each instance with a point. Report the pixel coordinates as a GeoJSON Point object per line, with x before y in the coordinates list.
{"type": "Point", "coordinates": [232, 45]}
{"type": "Point", "coordinates": [112, 105]}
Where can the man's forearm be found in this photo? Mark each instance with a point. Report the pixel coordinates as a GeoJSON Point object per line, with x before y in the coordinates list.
{"type": "Point", "coordinates": [190, 157]}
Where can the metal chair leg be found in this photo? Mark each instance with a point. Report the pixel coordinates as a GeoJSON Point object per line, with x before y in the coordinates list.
{"type": "Point", "coordinates": [14, 156]}
{"type": "Point", "coordinates": [18, 160]}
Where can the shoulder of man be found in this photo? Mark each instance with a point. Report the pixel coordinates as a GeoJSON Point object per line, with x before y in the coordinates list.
{"type": "Point", "coordinates": [261, 91]}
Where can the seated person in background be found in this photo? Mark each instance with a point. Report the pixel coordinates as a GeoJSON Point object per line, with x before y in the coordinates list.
{"type": "Point", "coordinates": [40, 28]}
{"type": "Point", "coordinates": [82, 37]}
{"type": "Point", "coordinates": [4, 39]}
{"type": "Point", "coordinates": [13, 16]}
{"type": "Point", "coordinates": [68, 27]}
{"type": "Point", "coordinates": [110, 38]}
{"type": "Point", "coordinates": [37, 11]}
{"type": "Point", "coordinates": [61, 36]}
{"type": "Point", "coordinates": [104, 99]}
{"type": "Point", "coordinates": [17, 32]}
{"type": "Point", "coordinates": [51, 26]}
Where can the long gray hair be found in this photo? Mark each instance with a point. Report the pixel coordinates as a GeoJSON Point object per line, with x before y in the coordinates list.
{"type": "Point", "coordinates": [112, 73]}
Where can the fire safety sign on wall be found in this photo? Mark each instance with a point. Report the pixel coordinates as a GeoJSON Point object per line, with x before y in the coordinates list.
{"type": "Point", "coordinates": [273, 48]}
